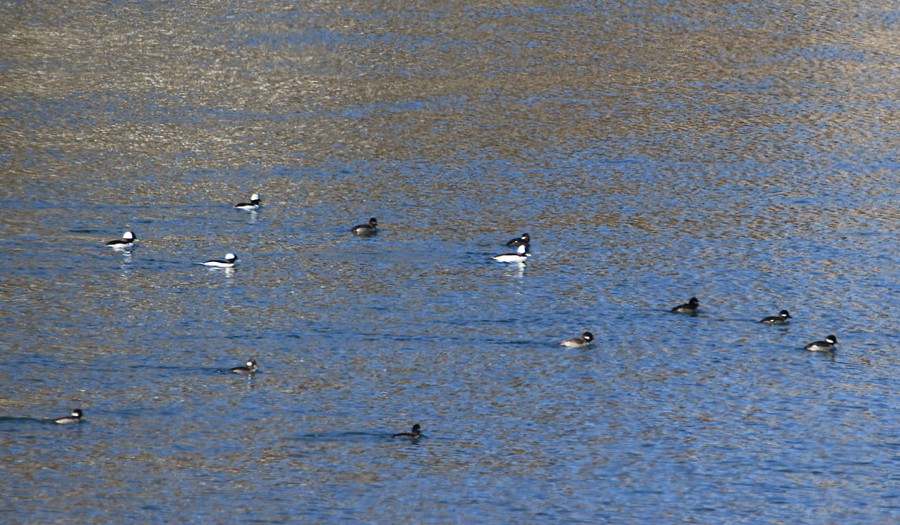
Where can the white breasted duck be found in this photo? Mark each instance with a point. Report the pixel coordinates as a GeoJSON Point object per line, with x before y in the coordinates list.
{"type": "Point", "coordinates": [228, 262]}
{"type": "Point", "coordinates": [253, 205]}
{"type": "Point", "coordinates": [520, 256]}
{"type": "Point", "coordinates": [125, 243]}
{"type": "Point", "coordinates": [579, 342]}
{"type": "Point", "coordinates": [75, 417]}
{"type": "Point", "coordinates": [366, 230]}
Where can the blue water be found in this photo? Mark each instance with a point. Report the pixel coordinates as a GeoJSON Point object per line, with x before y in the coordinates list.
{"type": "Point", "coordinates": [742, 154]}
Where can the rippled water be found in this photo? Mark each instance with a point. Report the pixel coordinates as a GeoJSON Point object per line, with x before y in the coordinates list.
{"type": "Point", "coordinates": [743, 153]}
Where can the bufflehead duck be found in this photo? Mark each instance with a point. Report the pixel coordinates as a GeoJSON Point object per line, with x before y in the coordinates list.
{"type": "Point", "coordinates": [366, 230]}
{"type": "Point", "coordinates": [416, 433]}
{"type": "Point", "coordinates": [230, 260]}
{"type": "Point", "coordinates": [519, 241]}
{"type": "Point", "coordinates": [822, 346]}
{"type": "Point", "coordinates": [688, 307]}
{"type": "Point", "coordinates": [253, 205]}
{"type": "Point", "coordinates": [249, 368]}
{"type": "Point", "coordinates": [125, 243]}
{"type": "Point", "coordinates": [520, 256]}
{"type": "Point", "coordinates": [74, 418]}
{"type": "Point", "coordinates": [781, 318]}
{"type": "Point", "coordinates": [578, 342]}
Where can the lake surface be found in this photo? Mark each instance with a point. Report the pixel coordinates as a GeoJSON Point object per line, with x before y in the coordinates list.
{"type": "Point", "coordinates": [745, 153]}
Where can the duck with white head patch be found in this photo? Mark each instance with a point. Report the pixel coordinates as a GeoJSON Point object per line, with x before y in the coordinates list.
{"type": "Point", "coordinates": [75, 417]}
{"type": "Point", "coordinates": [579, 342]}
{"type": "Point", "coordinates": [823, 346]}
{"type": "Point", "coordinates": [228, 262]}
{"type": "Point", "coordinates": [247, 369]}
{"type": "Point", "coordinates": [519, 241]}
{"type": "Point", "coordinates": [127, 241]}
{"type": "Point", "coordinates": [253, 205]}
{"type": "Point", "coordinates": [781, 318]}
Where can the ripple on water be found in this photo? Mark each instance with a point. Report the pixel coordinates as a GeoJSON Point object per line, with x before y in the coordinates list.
{"type": "Point", "coordinates": [654, 153]}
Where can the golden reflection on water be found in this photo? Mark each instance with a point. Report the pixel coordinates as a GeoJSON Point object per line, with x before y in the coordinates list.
{"type": "Point", "coordinates": [149, 84]}
{"type": "Point", "coordinates": [734, 148]}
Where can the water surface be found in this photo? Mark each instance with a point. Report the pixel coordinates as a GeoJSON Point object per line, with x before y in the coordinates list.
{"type": "Point", "coordinates": [745, 154]}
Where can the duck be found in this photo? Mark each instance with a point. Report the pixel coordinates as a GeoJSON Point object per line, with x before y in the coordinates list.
{"type": "Point", "coordinates": [687, 308]}
{"type": "Point", "coordinates": [125, 243]}
{"type": "Point", "coordinates": [520, 256]}
{"type": "Point", "coordinates": [247, 369]}
{"type": "Point", "coordinates": [781, 318]}
{"type": "Point", "coordinates": [415, 433]}
{"type": "Point", "coordinates": [228, 262]}
{"type": "Point", "coordinates": [822, 346]}
{"type": "Point", "coordinates": [579, 342]}
{"type": "Point", "coordinates": [520, 240]}
{"type": "Point", "coordinates": [366, 230]}
{"type": "Point", "coordinates": [75, 417]}
{"type": "Point", "coordinates": [253, 205]}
